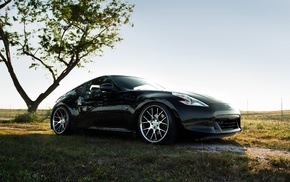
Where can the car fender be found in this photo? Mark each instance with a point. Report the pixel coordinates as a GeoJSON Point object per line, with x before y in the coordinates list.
{"type": "Point", "coordinates": [152, 98]}
{"type": "Point", "coordinates": [73, 113]}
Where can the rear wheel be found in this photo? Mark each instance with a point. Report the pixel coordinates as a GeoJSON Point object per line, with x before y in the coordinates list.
{"type": "Point", "coordinates": [156, 124]}
{"type": "Point", "coordinates": [61, 121]}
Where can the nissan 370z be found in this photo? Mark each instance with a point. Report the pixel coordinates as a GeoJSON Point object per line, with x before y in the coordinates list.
{"type": "Point", "coordinates": [132, 104]}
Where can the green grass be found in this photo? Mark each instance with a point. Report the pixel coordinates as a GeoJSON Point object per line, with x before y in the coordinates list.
{"type": "Point", "coordinates": [21, 115]}
{"type": "Point", "coordinates": [32, 152]}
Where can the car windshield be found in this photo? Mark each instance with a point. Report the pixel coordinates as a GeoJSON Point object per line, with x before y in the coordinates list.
{"type": "Point", "coordinates": [134, 83]}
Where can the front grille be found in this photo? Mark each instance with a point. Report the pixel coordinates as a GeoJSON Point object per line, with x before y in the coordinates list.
{"type": "Point", "coordinates": [228, 124]}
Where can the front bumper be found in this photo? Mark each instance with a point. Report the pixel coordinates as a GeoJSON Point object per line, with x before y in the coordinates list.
{"type": "Point", "coordinates": [218, 125]}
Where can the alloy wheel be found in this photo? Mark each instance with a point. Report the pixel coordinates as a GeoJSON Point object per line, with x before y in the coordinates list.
{"type": "Point", "coordinates": [60, 120]}
{"type": "Point", "coordinates": [154, 123]}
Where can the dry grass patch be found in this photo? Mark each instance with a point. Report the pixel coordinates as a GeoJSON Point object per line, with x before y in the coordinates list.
{"type": "Point", "coordinates": [266, 130]}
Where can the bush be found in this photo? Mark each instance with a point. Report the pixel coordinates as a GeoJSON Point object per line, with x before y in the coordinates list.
{"type": "Point", "coordinates": [26, 118]}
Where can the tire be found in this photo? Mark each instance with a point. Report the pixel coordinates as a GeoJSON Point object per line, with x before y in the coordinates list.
{"type": "Point", "coordinates": [60, 121]}
{"type": "Point", "coordinates": [157, 125]}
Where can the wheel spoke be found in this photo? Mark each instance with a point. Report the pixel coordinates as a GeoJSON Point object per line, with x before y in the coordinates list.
{"type": "Point", "coordinates": [57, 126]}
{"type": "Point", "coordinates": [147, 132]}
{"type": "Point", "coordinates": [158, 115]}
{"type": "Point", "coordinates": [150, 114]}
{"type": "Point", "coordinates": [159, 133]}
{"type": "Point", "coordinates": [147, 120]}
{"type": "Point", "coordinates": [161, 130]}
{"type": "Point", "coordinates": [153, 134]}
{"type": "Point", "coordinates": [161, 122]}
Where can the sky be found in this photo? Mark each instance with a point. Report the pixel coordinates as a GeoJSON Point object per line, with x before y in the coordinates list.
{"type": "Point", "coordinates": [238, 51]}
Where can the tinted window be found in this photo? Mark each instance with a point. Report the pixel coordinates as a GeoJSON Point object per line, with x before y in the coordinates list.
{"type": "Point", "coordinates": [134, 83]}
{"type": "Point", "coordinates": [79, 89]}
{"type": "Point", "coordinates": [95, 83]}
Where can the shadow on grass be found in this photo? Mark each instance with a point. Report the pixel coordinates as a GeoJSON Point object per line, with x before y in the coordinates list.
{"type": "Point", "coordinates": [103, 156]}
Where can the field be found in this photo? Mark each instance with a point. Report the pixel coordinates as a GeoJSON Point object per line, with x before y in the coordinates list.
{"type": "Point", "coordinates": [32, 152]}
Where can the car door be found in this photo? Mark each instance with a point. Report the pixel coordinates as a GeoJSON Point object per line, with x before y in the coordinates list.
{"type": "Point", "coordinates": [100, 109]}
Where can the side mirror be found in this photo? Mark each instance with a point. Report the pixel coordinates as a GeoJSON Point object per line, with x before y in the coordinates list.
{"type": "Point", "coordinates": [106, 87]}
{"type": "Point", "coordinates": [94, 88]}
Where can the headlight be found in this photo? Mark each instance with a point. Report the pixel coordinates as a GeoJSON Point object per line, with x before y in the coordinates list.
{"type": "Point", "coordinates": [187, 100]}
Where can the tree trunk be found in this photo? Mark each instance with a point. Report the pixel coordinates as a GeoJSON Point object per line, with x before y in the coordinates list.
{"type": "Point", "coordinates": [8, 62]}
{"type": "Point", "coordinates": [33, 107]}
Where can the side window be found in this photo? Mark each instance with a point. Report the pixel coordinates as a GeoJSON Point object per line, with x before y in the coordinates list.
{"type": "Point", "coordinates": [79, 89]}
{"type": "Point", "coordinates": [76, 91]}
{"type": "Point", "coordinates": [94, 85]}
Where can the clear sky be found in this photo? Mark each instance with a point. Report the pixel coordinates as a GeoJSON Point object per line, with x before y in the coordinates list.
{"type": "Point", "coordinates": [236, 50]}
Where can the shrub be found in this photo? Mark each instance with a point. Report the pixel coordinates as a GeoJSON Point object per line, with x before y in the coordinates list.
{"type": "Point", "coordinates": [260, 126]}
{"type": "Point", "coordinates": [26, 118]}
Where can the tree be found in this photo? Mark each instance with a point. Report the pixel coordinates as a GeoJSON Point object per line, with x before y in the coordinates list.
{"type": "Point", "coordinates": [58, 35]}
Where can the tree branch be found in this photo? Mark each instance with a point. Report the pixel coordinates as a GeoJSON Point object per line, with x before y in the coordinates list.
{"type": "Point", "coordinates": [4, 4]}
{"type": "Point", "coordinates": [45, 65]}
{"type": "Point", "coordinates": [62, 36]}
{"type": "Point", "coordinates": [6, 43]}
{"type": "Point", "coordinates": [3, 57]}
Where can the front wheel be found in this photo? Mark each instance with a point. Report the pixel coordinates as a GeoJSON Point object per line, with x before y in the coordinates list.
{"type": "Point", "coordinates": [60, 121]}
{"type": "Point", "coordinates": [156, 124]}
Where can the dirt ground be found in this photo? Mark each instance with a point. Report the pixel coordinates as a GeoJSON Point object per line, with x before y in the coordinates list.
{"type": "Point", "coordinates": [261, 154]}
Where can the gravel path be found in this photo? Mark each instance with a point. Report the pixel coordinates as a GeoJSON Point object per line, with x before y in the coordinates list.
{"type": "Point", "coordinates": [259, 153]}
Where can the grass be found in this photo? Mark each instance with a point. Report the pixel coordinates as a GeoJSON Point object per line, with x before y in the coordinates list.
{"type": "Point", "coordinates": [266, 130]}
{"type": "Point", "coordinates": [32, 152]}
{"type": "Point", "coordinates": [19, 115]}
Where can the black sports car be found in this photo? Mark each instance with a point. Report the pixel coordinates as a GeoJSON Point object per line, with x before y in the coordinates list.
{"type": "Point", "coordinates": [131, 104]}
